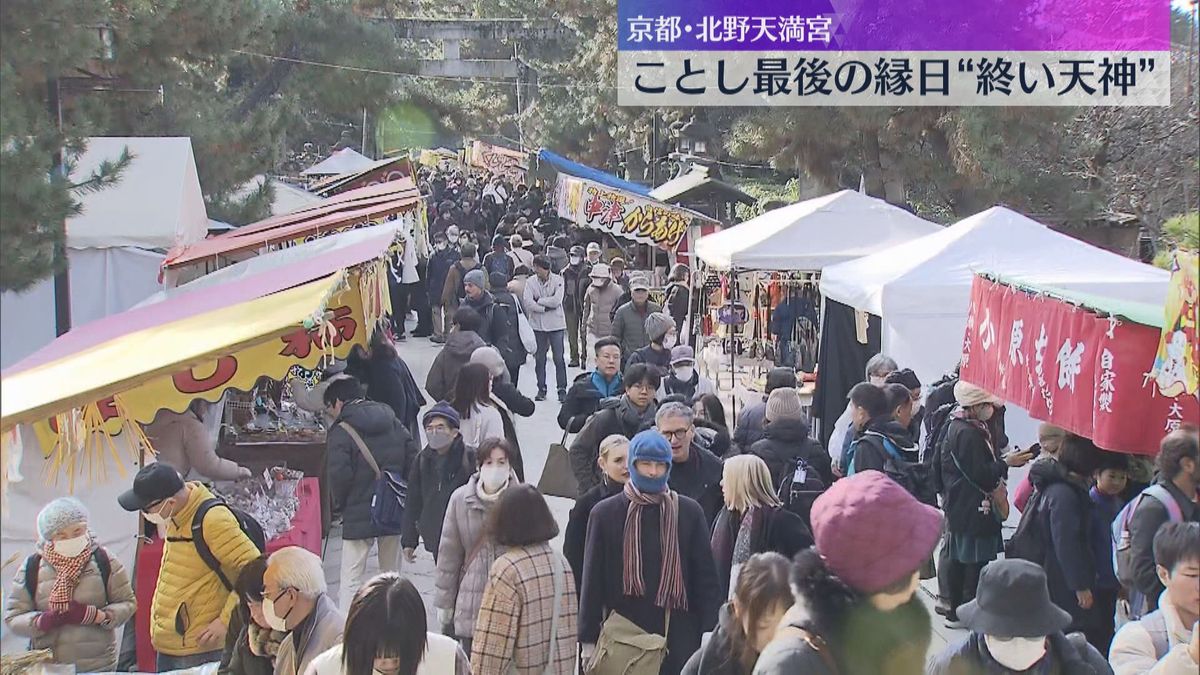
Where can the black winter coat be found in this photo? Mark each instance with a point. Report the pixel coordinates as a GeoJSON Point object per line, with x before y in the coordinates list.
{"type": "Point", "coordinates": [388, 380]}
{"type": "Point", "coordinates": [603, 583]}
{"type": "Point", "coordinates": [784, 441]}
{"type": "Point", "coordinates": [439, 267]}
{"type": "Point", "coordinates": [429, 493]}
{"type": "Point", "coordinates": [616, 416]}
{"type": "Point", "coordinates": [499, 327]}
{"type": "Point", "coordinates": [351, 479]}
{"type": "Point", "coordinates": [659, 358]}
{"type": "Point", "coordinates": [717, 656]}
{"type": "Point", "coordinates": [700, 478]}
{"type": "Point", "coordinates": [982, 471]}
{"type": "Point", "coordinates": [716, 436]}
{"type": "Point", "coordinates": [750, 427]}
{"type": "Point", "coordinates": [582, 401]}
{"type": "Point", "coordinates": [871, 454]}
{"type": "Point", "coordinates": [512, 398]}
{"type": "Point", "coordinates": [575, 538]}
{"type": "Point", "coordinates": [1067, 654]}
{"type": "Point", "coordinates": [777, 530]}
{"type": "Point", "coordinates": [1065, 514]}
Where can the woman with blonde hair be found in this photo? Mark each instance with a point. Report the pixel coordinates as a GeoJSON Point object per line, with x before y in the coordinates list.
{"type": "Point", "coordinates": [753, 519]}
{"type": "Point", "coordinates": [614, 473]}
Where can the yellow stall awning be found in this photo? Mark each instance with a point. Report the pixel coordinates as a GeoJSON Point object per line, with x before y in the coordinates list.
{"type": "Point", "coordinates": [135, 358]}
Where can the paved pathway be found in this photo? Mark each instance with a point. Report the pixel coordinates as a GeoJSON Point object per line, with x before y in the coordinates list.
{"type": "Point", "coordinates": [536, 434]}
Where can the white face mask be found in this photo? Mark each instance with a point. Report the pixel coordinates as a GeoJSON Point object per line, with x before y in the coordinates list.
{"type": "Point", "coordinates": [575, 260]}
{"type": "Point", "coordinates": [1016, 653]}
{"type": "Point", "coordinates": [69, 548]}
{"type": "Point", "coordinates": [440, 246]}
{"type": "Point", "coordinates": [493, 477]}
{"type": "Point", "coordinates": [670, 341]}
{"type": "Point", "coordinates": [439, 438]}
{"type": "Point", "coordinates": [155, 517]}
{"type": "Point", "coordinates": [273, 620]}
{"type": "Point", "coordinates": [684, 373]}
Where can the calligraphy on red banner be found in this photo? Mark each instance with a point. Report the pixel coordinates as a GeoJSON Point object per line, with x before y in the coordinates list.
{"type": "Point", "coordinates": [1069, 366]}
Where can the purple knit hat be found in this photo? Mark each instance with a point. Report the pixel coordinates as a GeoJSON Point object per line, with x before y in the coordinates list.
{"type": "Point", "coordinates": [871, 532]}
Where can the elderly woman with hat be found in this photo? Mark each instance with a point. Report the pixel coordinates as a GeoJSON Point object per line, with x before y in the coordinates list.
{"type": "Point", "coordinates": [974, 495]}
{"type": "Point", "coordinates": [1015, 628]}
{"type": "Point", "coordinates": [72, 594]}
{"type": "Point", "coordinates": [599, 304]}
{"type": "Point", "coordinates": [855, 608]}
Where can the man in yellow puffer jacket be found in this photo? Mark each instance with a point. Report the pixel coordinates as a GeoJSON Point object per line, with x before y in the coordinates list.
{"type": "Point", "coordinates": [190, 612]}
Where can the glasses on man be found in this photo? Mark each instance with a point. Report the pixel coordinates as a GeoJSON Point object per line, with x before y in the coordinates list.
{"type": "Point", "coordinates": [677, 435]}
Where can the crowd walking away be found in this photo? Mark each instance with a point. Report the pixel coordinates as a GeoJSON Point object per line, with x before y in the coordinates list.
{"type": "Point", "coordinates": [701, 539]}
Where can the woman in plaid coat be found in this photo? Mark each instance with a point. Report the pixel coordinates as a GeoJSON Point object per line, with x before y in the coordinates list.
{"type": "Point", "coordinates": [517, 627]}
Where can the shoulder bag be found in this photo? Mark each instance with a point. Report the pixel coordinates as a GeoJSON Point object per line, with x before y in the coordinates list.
{"type": "Point", "coordinates": [625, 649]}
{"type": "Point", "coordinates": [390, 493]}
{"type": "Point", "coordinates": [558, 478]}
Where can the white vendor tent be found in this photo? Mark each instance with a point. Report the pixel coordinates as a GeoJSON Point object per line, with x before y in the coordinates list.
{"type": "Point", "coordinates": [813, 234]}
{"type": "Point", "coordinates": [115, 246]}
{"type": "Point", "coordinates": [921, 289]}
{"type": "Point", "coordinates": [288, 197]}
{"type": "Point", "coordinates": [346, 160]}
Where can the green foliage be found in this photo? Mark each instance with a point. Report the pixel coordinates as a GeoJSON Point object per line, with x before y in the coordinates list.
{"type": "Point", "coordinates": [1178, 232]}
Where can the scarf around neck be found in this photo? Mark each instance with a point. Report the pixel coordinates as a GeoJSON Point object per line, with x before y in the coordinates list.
{"type": "Point", "coordinates": [671, 592]}
{"type": "Point", "coordinates": [67, 572]}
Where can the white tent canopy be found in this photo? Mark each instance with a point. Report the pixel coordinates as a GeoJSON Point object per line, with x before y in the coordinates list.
{"type": "Point", "coordinates": [813, 234]}
{"type": "Point", "coordinates": [346, 160]}
{"type": "Point", "coordinates": [922, 288]}
{"type": "Point", "coordinates": [156, 204]}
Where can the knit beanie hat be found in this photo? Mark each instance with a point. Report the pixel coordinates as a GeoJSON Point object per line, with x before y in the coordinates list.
{"type": "Point", "coordinates": [60, 513]}
{"type": "Point", "coordinates": [967, 395]}
{"type": "Point", "coordinates": [871, 532]}
{"type": "Point", "coordinates": [443, 410]}
{"type": "Point", "coordinates": [784, 403]}
{"type": "Point", "coordinates": [475, 278]}
{"type": "Point", "coordinates": [498, 280]}
{"type": "Point", "coordinates": [490, 357]}
{"type": "Point", "coordinates": [657, 325]}
{"type": "Point", "coordinates": [649, 446]}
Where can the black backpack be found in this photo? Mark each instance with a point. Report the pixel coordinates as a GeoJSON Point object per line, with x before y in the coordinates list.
{"type": "Point", "coordinates": [248, 525]}
{"type": "Point", "coordinates": [799, 488]}
{"type": "Point", "coordinates": [1028, 542]}
{"type": "Point", "coordinates": [939, 425]}
{"type": "Point", "coordinates": [33, 566]}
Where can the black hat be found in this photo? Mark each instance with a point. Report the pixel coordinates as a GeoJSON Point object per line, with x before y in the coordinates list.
{"type": "Point", "coordinates": [905, 377]}
{"type": "Point", "coordinates": [154, 483]}
{"type": "Point", "coordinates": [1013, 601]}
{"type": "Point", "coordinates": [780, 377]}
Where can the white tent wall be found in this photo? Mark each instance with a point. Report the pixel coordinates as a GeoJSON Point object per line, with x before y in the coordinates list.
{"type": "Point", "coordinates": [103, 281]}
{"type": "Point", "coordinates": [114, 527]}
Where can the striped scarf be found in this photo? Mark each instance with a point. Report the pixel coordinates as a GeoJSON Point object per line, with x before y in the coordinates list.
{"type": "Point", "coordinates": [67, 571]}
{"type": "Point", "coordinates": [671, 593]}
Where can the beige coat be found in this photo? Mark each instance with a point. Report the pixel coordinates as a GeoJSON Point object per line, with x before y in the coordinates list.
{"type": "Point", "coordinates": [299, 648]}
{"type": "Point", "coordinates": [459, 589]}
{"type": "Point", "coordinates": [89, 648]}
{"type": "Point", "coordinates": [1132, 650]}
{"type": "Point", "coordinates": [598, 308]}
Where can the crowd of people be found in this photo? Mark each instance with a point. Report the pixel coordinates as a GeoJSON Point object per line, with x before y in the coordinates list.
{"type": "Point", "coordinates": [692, 547]}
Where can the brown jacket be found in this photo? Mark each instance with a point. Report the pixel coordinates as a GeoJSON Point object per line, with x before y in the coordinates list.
{"type": "Point", "coordinates": [513, 628]}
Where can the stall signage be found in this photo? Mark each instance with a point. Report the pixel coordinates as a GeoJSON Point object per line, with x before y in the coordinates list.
{"type": "Point", "coordinates": [300, 349]}
{"type": "Point", "coordinates": [1071, 367]}
{"type": "Point", "coordinates": [622, 214]}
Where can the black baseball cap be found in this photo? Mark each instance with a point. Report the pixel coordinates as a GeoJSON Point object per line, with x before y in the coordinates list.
{"type": "Point", "coordinates": [154, 483]}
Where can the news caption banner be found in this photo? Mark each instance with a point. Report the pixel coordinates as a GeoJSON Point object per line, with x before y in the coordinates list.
{"type": "Point", "coordinates": [889, 52]}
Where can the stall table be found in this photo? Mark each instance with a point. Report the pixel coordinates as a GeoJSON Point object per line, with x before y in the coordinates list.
{"type": "Point", "coordinates": [304, 532]}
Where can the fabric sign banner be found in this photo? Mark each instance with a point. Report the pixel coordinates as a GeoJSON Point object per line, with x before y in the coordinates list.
{"type": "Point", "coordinates": [622, 214]}
{"type": "Point", "coordinates": [1071, 367]}
{"type": "Point", "coordinates": [498, 160]}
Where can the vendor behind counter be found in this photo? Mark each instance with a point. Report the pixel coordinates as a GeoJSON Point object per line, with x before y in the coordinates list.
{"type": "Point", "coordinates": [183, 440]}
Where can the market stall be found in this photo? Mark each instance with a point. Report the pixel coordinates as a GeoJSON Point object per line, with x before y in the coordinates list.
{"type": "Point", "coordinates": [75, 409]}
{"type": "Point", "coordinates": [920, 291]}
{"type": "Point", "coordinates": [769, 268]}
{"type": "Point", "coordinates": [1085, 362]}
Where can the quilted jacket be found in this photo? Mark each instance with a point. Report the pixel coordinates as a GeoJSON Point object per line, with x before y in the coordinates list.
{"type": "Point", "coordinates": [189, 595]}
{"type": "Point", "coordinates": [90, 648]}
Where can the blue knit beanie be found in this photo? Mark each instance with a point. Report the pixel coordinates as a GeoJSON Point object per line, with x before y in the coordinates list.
{"type": "Point", "coordinates": [58, 514]}
{"type": "Point", "coordinates": [649, 446]}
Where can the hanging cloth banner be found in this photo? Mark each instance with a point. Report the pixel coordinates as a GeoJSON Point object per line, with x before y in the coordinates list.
{"type": "Point", "coordinates": [498, 160]}
{"type": "Point", "coordinates": [1177, 360]}
{"type": "Point", "coordinates": [1069, 366]}
{"type": "Point", "coordinates": [295, 353]}
{"type": "Point", "coordinates": [621, 214]}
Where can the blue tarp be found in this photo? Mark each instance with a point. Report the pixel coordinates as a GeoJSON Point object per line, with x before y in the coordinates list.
{"type": "Point", "coordinates": [564, 165]}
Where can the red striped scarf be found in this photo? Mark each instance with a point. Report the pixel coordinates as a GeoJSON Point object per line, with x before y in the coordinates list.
{"type": "Point", "coordinates": [66, 571]}
{"type": "Point", "coordinates": [671, 592]}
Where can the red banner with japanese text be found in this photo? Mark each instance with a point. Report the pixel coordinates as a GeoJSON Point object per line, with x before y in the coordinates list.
{"type": "Point", "coordinates": [1071, 367]}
